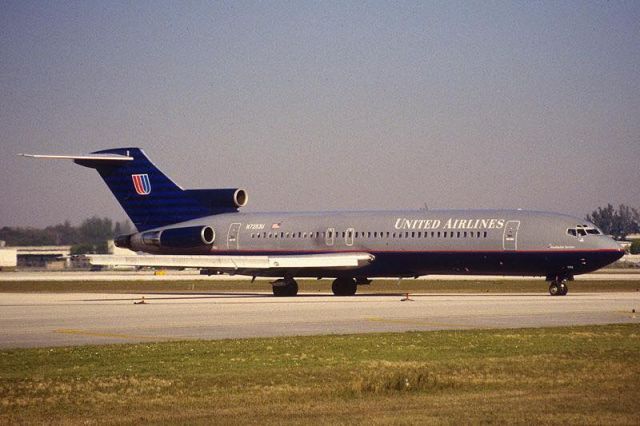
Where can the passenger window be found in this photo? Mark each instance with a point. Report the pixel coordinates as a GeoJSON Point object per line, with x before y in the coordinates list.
{"type": "Point", "coordinates": [571, 232]}
{"type": "Point", "coordinates": [581, 232]}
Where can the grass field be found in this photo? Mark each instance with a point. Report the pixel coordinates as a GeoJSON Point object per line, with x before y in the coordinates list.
{"type": "Point", "coordinates": [378, 286]}
{"type": "Point", "coordinates": [579, 375]}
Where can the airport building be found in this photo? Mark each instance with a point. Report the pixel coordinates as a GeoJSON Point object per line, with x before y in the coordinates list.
{"type": "Point", "coordinates": [8, 257]}
{"type": "Point", "coordinates": [48, 257]}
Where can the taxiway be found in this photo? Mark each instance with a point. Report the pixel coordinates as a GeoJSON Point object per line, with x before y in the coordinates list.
{"type": "Point", "coordinates": [41, 320]}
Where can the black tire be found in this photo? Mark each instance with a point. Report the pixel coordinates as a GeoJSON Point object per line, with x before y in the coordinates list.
{"type": "Point", "coordinates": [344, 287]}
{"type": "Point", "coordinates": [289, 289]}
{"type": "Point", "coordinates": [554, 289]}
{"type": "Point", "coordinates": [564, 289]}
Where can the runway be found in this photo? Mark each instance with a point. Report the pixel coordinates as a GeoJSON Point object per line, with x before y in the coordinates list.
{"type": "Point", "coordinates": [192, 275]}
{"type": "Point", "coordinates": [41, 320]}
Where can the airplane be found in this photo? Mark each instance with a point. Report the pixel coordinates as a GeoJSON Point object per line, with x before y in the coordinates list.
{"type": "Point", "coordinates": [203, 228]}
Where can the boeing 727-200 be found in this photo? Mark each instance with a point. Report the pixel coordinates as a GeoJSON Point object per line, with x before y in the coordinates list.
{"type": "Point", "coordinates": [204, 229]}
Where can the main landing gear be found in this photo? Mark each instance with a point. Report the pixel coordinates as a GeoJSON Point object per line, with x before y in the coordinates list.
{"type": "Point", "coordinates": [344, 286]}
{"type": "Point", "coordinates": [285, 287]}
{"type": "Point", "coordinates": [558, 286]}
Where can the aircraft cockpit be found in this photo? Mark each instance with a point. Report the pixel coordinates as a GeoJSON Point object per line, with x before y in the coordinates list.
{"type": "Point", "coordinates": [583, 230]}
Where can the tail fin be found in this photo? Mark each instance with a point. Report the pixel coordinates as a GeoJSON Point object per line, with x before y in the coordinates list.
{"type": "Point", "coordinates": [148, 196]}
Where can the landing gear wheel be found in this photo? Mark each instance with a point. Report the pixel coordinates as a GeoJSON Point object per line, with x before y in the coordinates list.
{"type": "Point", "coordinates": [285, 287]}
{"type": "Point", "coordinates": [558, 288]}
{"type": "Point", "coordinates": [344, 287]}
{"type": "Point", "coordinates": [564, 289]}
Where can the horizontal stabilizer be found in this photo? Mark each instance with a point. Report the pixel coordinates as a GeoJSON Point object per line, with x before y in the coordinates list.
{"type": "Point", "coordinates": [235, 263]}
{"type": "Point", "coordinates": [90, 157]}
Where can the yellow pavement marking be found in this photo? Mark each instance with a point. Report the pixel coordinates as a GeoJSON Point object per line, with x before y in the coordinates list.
{"type": "Point", "coordinates": [418, 322]}
{"type": "Point", "coordinates": [108, 335]}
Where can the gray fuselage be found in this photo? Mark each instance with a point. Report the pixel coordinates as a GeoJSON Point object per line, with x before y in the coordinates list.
{"type": "Point", "coordinates": [412, 243]}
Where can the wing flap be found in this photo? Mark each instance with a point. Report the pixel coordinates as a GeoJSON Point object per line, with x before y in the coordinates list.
{"type": "Point", "coordinates": [230, 262]}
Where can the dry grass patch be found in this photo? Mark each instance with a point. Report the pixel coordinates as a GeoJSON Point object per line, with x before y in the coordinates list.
{"type": "Point", "coordinates": [580, 375]}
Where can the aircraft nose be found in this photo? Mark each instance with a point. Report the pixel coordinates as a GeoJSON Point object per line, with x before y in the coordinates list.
{"type": "Point", "coordinates": [612, 245]}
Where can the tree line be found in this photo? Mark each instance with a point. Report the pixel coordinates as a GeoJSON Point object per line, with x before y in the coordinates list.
{"type": "Point", "coordinates": [618, 222]}
{"type": "Point", "coordinates": [89, 237]}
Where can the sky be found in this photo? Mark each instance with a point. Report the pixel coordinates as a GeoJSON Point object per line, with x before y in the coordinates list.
{"type": "Point", "coordinates": [322, 105]}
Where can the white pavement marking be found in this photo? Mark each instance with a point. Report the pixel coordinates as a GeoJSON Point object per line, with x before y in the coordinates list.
{"type": "Point", "coordinates": [32, 320]}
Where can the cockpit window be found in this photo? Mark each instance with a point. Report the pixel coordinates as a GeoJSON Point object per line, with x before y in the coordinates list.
{"type": "Point", "coordinates": [582, 230]}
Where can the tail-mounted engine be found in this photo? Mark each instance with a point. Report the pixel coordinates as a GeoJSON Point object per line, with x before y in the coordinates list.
{"type": "Point", "coordinates": [185, 237]}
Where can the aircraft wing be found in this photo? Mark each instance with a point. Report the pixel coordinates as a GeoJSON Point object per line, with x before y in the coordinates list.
{"type": "Point", "coordinates": [240, 264]}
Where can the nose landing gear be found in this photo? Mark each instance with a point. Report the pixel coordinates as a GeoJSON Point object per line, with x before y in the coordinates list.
{"type": "Point", "coordinates": [558, 286]}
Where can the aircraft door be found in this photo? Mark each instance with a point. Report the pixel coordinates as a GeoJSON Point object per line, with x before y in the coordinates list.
{"type": "Point", "coordinates": [348, 238]}
{"type": "Point", "coordinates": [510, 235]}
{"type": "Point", "coordinates": [233, 238]}
{"type": "Point", "coordinates": [329, 236]}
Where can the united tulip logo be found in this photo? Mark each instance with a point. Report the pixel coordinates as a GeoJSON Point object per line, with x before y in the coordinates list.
{"type": "Point", "coordinates": [142, 184]}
